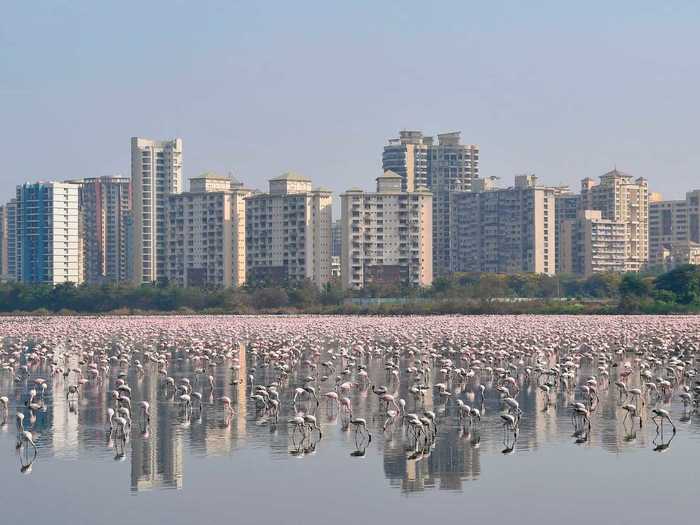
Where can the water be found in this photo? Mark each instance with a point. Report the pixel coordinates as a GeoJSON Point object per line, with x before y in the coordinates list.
{"type": "Point", "coordinates": [249, 470]}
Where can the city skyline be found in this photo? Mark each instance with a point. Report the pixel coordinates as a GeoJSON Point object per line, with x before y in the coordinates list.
{"type": "Point", "coordinates": [619, 86]}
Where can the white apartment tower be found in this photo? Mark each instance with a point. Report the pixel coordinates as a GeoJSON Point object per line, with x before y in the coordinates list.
{"type": "Point", "coordinates": [156, 172]}
{"type": "Point", "coordinates": [205, 233]}
{"type": "Point", "coordinates": [387, 235]}
{"type": "Point", "coordinates": [288, 232]}
{"type": "Point", "coordinates": [621, 198]}
{"type": "Point", "coordinates": [48, 234]}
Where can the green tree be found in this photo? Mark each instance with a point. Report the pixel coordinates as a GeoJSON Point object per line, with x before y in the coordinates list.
{"type": "Point", "coordinates": [270, 298]}
{"type": "Point", "coordinates": [683, 281]}
{"type": "Point", "coordinates": [633, 285]}
{"type": "Point", "coordinates": [332, 293]}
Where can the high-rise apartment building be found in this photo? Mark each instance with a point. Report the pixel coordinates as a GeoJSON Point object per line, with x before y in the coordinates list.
{"type": "Point", "coordinates": [48, 235]}
{"type": "Point", "coordinates": [3, 243]}
{"type": "Point", "coordinates": [205, 233]}
{"type": "Point", "coordinates": [591, 244]}
{"type": "Point", "coordinates": [507, 230]}
{"type": "Point", "coordinates": [443, 166]}
{"type": "Point", "coordinates": [288, 232]}
{"type": "Point", "coordinates": [673, 222]}
{"type": "Point", "coordinates": [407, 156]}
{"type": "Point", "coordinates": [11, 236]}
{"type": "Point", "coordinates": [156, 172]}
{"type": "Point", "coordinates": [387, 235]}
{"type": "Point", "coordinates": [567, 205]}
{"type": "Point", "coordinates": [621, 198]}
{"type": "Point", "coordinates": [105, 203]}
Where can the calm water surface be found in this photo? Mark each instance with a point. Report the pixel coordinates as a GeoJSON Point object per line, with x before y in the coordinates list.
{"type": "Point", "coordinates": [248, 470]}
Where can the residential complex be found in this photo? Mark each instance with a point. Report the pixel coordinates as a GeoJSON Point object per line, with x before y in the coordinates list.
{"type": "Point", "coordinates": [47, 231]}
{"type": "Point", "coordinates": [673, 226]}
{"type": "Point", "coordinates": [507, 230]}
{"type": "Point", "coordinates": [432, 214]}
{"type": "Point", "coordinates": [156, 172]}
{"type": "Point", "coordinates": [288, 232]}
{"type": "Point", "coordinates": [443, 167]}
{"type": "Point", "coordinates": [205, 233]}
{"type": "Point", "coordinates": [621, 198]}
{"type": "Point", "coordinates": [105, 205]}
{"type": "Point", "coordinates": [387, 235]}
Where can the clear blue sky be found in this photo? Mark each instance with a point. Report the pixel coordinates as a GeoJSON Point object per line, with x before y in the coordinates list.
{"type": "Point", "coordinates": [263, 87]}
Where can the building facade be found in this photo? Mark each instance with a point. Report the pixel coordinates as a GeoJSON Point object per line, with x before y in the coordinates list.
{"type": "Point", "coordinates": [205, 233]}
{"type": "Point", "coordinates": [679, 253]}
{"type": "Point", "coordinates": [673, 222]}
{"type": "Point", "coordinates": [105, 204]}
{"type": "Point", "coordinates": [48, 234]}
{"type": "Point", "coordinates": [156, 172]}
{"type": "Point", "coordinates": [567, 207]}
{"type": "Point", "coordinates": [11, 222]}
{"type": "Point", "coordinates": [4, 275]}
{"type": "Point", "coordinates": [336, 238]}
{"type": "Point", "coordinates": [621, 198]}
{"type": "Point", "coordinates": [407, 156]}
{"type": "Point", "coordinates": [387, 235]}
{"type": "Point", "coordinates": [591, 244]}
{"type": "Point", "coordinates": [288, 232]}
{"type": "Point", "coordinates": [507, 230]}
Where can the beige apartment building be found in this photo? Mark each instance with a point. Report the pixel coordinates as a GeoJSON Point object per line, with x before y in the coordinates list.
{"type": "Point", "coordinates": [288, 232]}
{"type": "Point", "coordinates": [675, 222]}
{"type": "Point", "coordinates": [443, 166]}
{"type": "Point", "coordinates": [205, 233]}
{"type": "Point", "coordinates": [387, 235]}
{"type": "Point", "coordinates": [105, 203]}
{"type": "Point", "coordinates": [504, 230]}
{"type": "Point", "coordinates": [591, 244]}
{"type": "Point", "coordinates": [621, 198]}
{"type": "Point", "coordinates": [156, 172]}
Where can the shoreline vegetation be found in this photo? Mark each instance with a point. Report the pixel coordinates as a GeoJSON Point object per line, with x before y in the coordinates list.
{"type": "Point", "coordinates": [673, 292]}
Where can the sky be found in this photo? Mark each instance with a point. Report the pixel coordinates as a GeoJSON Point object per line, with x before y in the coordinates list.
{"type": "Point", "coordinates": [259, 88]}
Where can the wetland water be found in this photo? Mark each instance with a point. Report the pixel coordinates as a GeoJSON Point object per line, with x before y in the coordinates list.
{"type": "Point", "coordinates": [191, 463]}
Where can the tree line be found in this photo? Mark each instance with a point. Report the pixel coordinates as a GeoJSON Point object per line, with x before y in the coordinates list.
{"type": "Point", "coordinates": [675, 291]}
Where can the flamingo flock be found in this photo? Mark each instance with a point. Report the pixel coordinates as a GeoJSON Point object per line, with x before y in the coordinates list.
{"type": "Point", "coordinates": [404, 378]}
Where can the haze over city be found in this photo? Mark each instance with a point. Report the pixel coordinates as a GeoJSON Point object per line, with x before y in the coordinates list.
{"type": "Point", "coordinates": [260, 88]}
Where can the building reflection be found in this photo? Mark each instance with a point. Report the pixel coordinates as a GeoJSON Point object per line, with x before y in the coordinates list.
{"type": "Point", "coordinates": [157, 456]}
{"type": "Point", "coordinates": [157, 462]}
{"type": "Point", "coordinates": [64, 420]}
